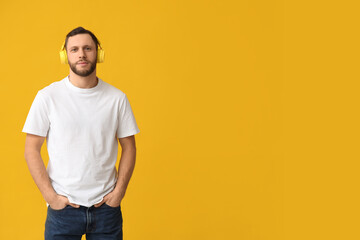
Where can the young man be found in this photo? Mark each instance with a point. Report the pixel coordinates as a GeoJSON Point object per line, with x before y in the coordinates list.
{"type": "Point", "coordinates": [82, 118]}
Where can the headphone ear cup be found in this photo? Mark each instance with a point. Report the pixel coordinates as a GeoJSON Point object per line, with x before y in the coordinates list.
{"type": "Point", "coordinates": [63, 57]}
{"type": "Point", "coordinates": [100, 55]}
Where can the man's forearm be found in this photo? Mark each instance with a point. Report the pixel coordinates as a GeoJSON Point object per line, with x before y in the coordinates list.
{"type": "Point", "coordinates": [126, 168]}
{"type": "Point", "coordinates": [38, 172]}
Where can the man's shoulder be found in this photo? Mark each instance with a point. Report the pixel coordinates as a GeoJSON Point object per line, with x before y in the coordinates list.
{"type": "Point", "coordinates": [113, 90]}
{"type": "Point", "coordinates": [52, 88]}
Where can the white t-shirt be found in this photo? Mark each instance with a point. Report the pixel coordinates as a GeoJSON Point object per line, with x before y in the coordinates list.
{"type": "Point", "coordinates": [81, 126]}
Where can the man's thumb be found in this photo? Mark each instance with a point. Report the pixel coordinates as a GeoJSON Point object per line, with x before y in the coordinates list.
{"type": "Point", "coordinates": [74, 205]}
{"type": "Point", "coordinates": [99, 204]}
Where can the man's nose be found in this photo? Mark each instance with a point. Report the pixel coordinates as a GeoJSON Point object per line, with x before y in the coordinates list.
{"type": "Point", "coordinates": [82, 53]}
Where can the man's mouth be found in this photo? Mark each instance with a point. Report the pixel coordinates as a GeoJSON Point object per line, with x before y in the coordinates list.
{"type": "Point", "coordinates": [82, 63]}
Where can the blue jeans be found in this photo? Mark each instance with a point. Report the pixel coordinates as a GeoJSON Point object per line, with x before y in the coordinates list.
{"type": "Point", "coordinates": [101, 223]}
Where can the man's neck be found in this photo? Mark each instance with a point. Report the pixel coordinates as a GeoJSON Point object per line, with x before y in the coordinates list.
{"type": "Point", "coordinates": [83, 82]}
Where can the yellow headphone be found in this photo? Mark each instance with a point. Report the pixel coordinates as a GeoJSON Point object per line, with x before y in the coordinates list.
{"type": "Point", "coordinates": [99, 59]}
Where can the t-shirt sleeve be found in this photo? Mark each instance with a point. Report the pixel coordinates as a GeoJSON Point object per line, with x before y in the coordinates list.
{"type": "Point", "coordinates": [37, 121]}
{"type": "Point", "coordinates": [126, 120]}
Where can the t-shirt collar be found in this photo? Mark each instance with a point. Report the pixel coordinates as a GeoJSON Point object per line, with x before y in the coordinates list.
{"type": "Point", "coordinates": [82, 90]}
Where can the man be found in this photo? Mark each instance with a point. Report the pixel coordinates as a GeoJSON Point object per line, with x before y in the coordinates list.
{"type": "Point", "coordinates": [82, 118]}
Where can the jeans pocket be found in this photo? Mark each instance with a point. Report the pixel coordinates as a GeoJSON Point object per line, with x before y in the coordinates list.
{"type": "Point", "coordinates": [58, 209]}
{"type": "Point", "coordinates": [110, 206]}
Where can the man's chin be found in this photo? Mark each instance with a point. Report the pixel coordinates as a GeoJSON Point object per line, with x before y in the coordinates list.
{"type": "Point", "coordinates": [82, 73]}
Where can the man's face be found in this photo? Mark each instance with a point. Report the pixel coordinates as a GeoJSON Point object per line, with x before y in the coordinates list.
{"type": "Point", "coordinates": [81, 53]}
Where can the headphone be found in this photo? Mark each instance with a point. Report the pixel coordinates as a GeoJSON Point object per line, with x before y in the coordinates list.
{"type": "Point", "coordinates": [99, 59]}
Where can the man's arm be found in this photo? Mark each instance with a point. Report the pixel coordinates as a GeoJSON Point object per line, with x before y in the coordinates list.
{"type": "Point", "coordinates": [38, 171]}
{"type": "Point", "coordinates": [126, 165]}
{"type": "Point", "coordinates": [126, 168]}
{"type": "Point", "coordinates": [36, 166]}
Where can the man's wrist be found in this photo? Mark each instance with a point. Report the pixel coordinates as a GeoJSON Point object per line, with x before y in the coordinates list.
{"type": "Point", "coordinates": [118, 192]}
{"type": "Point", "coordinates": [51, 197]}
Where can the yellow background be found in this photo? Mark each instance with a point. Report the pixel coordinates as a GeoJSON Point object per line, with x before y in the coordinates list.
{"type": "Point", "coordinates": [248, 113]}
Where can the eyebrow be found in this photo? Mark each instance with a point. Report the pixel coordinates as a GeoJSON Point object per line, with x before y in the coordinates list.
{"type": "Point", "coordinates": [78, 46]}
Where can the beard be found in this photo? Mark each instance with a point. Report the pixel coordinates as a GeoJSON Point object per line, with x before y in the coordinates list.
{"type": "Point", "coordinates": [83, 73]}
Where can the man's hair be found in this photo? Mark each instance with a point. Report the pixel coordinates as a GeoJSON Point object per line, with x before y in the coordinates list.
{"type": "Point", "coordinates": [81, 30]}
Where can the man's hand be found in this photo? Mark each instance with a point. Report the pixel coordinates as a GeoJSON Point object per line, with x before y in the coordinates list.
{"type": "Point", "coordinates": [60, 202]}
{"type": "Point", "coordinates": [112, 199]}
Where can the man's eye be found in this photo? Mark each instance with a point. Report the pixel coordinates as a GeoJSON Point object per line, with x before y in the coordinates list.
{"type": "Point", "coordinates": [88, 48]}
{"type": "Point", "coordinates": [73, 50]}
